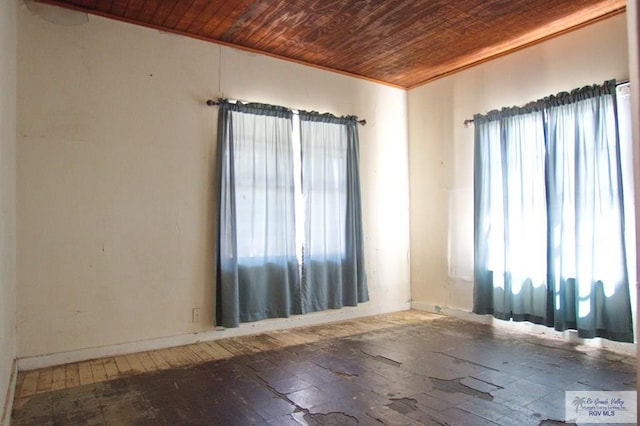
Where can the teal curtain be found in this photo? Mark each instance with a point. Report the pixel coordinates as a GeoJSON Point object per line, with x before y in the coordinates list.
{"type": "Point", "coordinates": [258, 271]}
{"type": "Point", "coordinates": [549, 235]}
{"type": "Point", "coordinates": [257, 266]}
{"type": "Point", "coordinates": [587, 258]}
{"type": "Point", "coordinates": [333, 273]}
{"type": "Point", "coordinates": [510, 224]}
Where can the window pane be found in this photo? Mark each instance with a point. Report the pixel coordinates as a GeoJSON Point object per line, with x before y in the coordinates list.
{"type": "Point", "coordinates": [324, 148]}
{"type": "Point", "coordinates": [264, 186]}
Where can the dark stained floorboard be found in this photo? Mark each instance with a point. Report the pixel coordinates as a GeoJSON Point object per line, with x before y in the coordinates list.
{"type": "Point", "coordinates": [438, 372]}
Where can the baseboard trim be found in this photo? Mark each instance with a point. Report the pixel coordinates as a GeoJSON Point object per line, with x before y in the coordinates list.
{"type": "Point", "coordinates": [628, 349]}
{"type": "Point", "coordinates": [5, 418]}
{"type": "Point", "coordinates": [316, 318]}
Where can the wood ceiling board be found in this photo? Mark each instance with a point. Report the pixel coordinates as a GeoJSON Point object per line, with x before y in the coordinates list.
{"type": "Point", "coordinates": [117, 8]}
{"type": "Point", "coordinates": [225, 17]}
{"type": "Point", "coordinates": [402, 43]}
{"type": "Point", "coordinates": [170, 20]}
{"type": "Point", "coordinates": [149, 8]}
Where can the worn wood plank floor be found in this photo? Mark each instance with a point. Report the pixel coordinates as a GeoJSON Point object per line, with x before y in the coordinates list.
{"type": "Point", "coordinates": [33, 382]}
{"type": "Point", "coordinates": [406, 368]}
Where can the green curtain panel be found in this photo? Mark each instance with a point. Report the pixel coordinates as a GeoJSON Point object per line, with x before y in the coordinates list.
{"type": "Point", "coordinates": [549, 220]}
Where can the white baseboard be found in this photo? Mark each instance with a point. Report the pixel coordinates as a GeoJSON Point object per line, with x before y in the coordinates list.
{"type": "Point", "coordinates": [316, 318]}
{"type": "Point", "coordinates": [628, 349]}
{"type": "Point", "coordinates": [451, 312]}
{"type": "Point", "coordinates": [5, 416]}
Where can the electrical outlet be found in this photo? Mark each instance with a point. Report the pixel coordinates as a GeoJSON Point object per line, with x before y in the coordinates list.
{"type": "Point", "coordinates": [195, 315]}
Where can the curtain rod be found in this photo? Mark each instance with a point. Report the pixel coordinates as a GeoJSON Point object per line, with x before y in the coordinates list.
{"type": "Point", "coordinates": [469, 121]}
{"type": "Point", "coordinates": [211, 102]}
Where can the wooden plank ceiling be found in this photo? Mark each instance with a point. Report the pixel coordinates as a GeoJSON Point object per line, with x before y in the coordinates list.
{"type": "Point", "coordinates": [403, 43]}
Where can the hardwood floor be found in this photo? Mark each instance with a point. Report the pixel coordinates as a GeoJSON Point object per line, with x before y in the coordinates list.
{"type": "Point", "coordinates": [68, 376]}
{"type": "Point", "coordinates": [406, 368]}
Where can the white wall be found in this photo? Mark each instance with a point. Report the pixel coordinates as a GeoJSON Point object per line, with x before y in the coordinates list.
{"type": "Point", "coordinates": [116, 188]}
{"type": "Point", "coordinates": [633, 31]}
{"type": "Point", "coordinates": [441, 148]}
{"type": "Point", "coordinates": [8, 58]}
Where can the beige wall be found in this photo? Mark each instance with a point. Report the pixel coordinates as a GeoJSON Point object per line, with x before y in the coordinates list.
{"type": "Point", "coordinates": [633, 30]}
{"type": "Point", "coordinates": [441, 148]}
{"type": "Point", "coordinates": [8, 41]}
{"type": "Point", "coordinates": [115, 178]}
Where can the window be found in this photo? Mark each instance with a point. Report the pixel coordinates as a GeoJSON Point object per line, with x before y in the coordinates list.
{"type": "Point", "coordinates": [287, 182]}
{"type": "Point", "coordinates": [264, 185]}
{"type": "Point", "coordinates": [324, 177]}
{"type": "Point", "coordinates": [549, 216]}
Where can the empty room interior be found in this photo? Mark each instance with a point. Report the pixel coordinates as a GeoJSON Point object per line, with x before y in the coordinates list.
{"type": "Point", "coordinates": [340, 212]}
